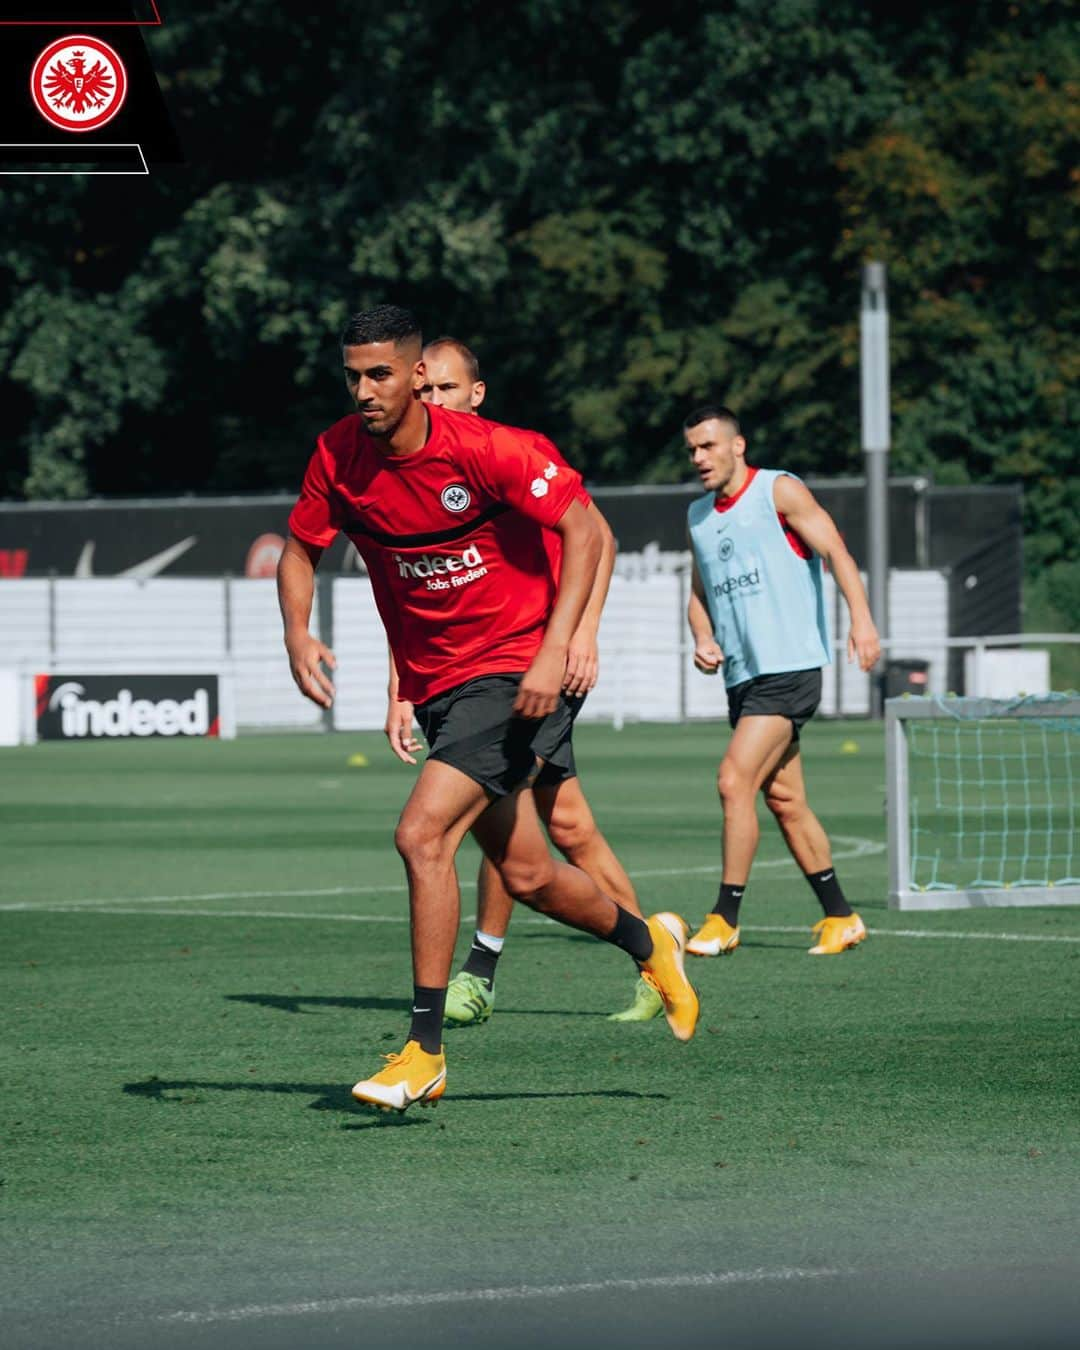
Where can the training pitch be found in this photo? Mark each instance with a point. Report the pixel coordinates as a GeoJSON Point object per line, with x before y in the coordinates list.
{"type": "Point", "coordinates": [204, 944]}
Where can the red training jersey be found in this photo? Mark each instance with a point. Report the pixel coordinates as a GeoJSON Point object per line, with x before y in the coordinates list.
{"type": "Point", "coordinates": [553, 540]}
{"type": "Point", "coordinates": [453, 537]}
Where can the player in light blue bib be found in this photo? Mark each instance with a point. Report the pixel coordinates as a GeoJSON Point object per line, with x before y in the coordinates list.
{"type": "Point", "coordinates": [757, 610]}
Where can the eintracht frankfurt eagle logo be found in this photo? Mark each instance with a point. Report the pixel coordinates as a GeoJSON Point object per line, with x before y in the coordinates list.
{"type": "Point", "coordinates": [455, 497]}
{"type": "Point", "coordinates": [78, 83]}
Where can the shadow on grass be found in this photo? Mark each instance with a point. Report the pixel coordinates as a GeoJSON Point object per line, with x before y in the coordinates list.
{"type": "Point", "coordinates": [540, 1012]}
{"type": "Point", "coordinates": [336, 1096]}
{"type": "Point", "coordinates": [557, 931]}
{"type": "Point", "coordinates": [376, 1119]}
{"type": "Point", "coordinates": [190, 1091]}
{"type": "Point", "coordinates": [611, 1093]}
{"type": "Point", "coordinates": [291, 1003]}
{"type": "Point", "coordinates": [307, 1003]}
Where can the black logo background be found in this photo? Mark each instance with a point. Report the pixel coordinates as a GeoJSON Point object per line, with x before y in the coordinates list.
{"type": "Point", "coordinates": [102, 688]}
{"type": "Point", "coordinates": [26, 138]}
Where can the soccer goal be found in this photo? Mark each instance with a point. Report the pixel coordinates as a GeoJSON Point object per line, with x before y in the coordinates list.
{"type": "Point", "coordinates": [982, 801]}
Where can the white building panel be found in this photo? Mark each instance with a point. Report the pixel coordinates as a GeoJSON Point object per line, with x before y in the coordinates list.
{"type": "Point", "coordinates": [126, 620]}
{"type": "Point", "coordinates": [646, 665]}
{"type": "Point", "coordinates": [363, 664]}
{"type": "Point", "coordinates": [919, 622]}
{"type": "Point", "coordinates": [639, 652]}
{"type": "Point", "coordinates": [851, 686]}
{"type": "Point", "coordinates": [265, 693]}
{"type": "Point", "coordinates": [24, 622]}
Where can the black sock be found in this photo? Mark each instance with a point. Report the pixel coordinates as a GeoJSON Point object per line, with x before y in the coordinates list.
{"type": "Point", "coordinates": [728, 902]}
{"type": "Point", "coordinates": [830, 896]}
{"type": "Point", "coordinates": [427, 1015]}
{"type": "Point", "coordinates": [632, 935]}
{"type": "Point", "coordinates": [481, 962]}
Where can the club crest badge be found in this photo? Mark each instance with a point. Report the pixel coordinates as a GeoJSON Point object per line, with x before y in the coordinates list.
{"type": "Point", "coordinates": [727, 548]}
{"type": "Point", "coordinates": [78, 83]}
{"type": "Point", "coordinates": [455, 497]}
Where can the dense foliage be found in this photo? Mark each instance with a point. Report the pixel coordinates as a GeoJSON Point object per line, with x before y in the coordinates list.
{"type": "Point", "coordinates": [624, 208]}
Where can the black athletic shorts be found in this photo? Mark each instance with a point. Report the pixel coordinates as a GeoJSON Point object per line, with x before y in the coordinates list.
{"type": "Point", "coordinates": [794, 694]}
{"type": "Point", "coordinates": [472, 728]}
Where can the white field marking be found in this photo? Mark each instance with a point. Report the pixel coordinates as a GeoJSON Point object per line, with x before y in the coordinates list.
{"type": "Point", "coordinates": [851, 846]}
{"type": "Point", "coordinates": [220, 913]}
{"type": "Point", "coordinates": [506, 1294]}
{"type": "Point", "coordinates": [930, 933]}
{"type": "Point", "coordinates": [212, 895]}
{"type": "Point", "coordinates": [524, 919]}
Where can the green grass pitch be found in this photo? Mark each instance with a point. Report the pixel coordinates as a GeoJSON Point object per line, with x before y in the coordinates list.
{"type": "Point", "coordinates": [204, 944]}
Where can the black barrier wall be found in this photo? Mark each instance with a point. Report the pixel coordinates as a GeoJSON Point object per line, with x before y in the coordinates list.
{"type": "Point", "coordinates": [242, 536]}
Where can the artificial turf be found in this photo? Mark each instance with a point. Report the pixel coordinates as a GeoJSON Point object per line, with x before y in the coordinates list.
{"type": "Point", "coordinates": [185, 1008]}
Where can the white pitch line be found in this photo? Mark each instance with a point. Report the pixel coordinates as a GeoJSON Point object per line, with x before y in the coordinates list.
{"type": "Point", "coordinates": [222, 913]}
{"type": "Point", "coordinates": [930, 933]}
{"type": "Point", "coordinates": [214, 895]}
{"type": "Point", "coordinates": [851, 846]}
{"type": "Point", "coordinates": [506, 1294]}
{"type": "Point", "coordinates": [524, 919]}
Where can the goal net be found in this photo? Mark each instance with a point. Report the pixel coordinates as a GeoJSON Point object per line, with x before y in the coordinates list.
{"type": "Point", "coordinates": [982, 805]}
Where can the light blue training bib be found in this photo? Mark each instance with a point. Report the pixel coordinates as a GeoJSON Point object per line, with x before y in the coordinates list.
{"type": "Point", "coordinates": [766, 603]}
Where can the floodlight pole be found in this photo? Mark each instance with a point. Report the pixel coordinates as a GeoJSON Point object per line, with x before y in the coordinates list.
{"type": "Point", "coordinates": [874, 369]}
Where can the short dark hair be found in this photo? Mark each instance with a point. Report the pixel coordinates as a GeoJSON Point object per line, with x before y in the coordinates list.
{"type": "Point", "coordinates": [707, 412]}
{"type": "Point", "coordinates": [384, 323]}
{"type": "Point", "coordinates": [472, 365]}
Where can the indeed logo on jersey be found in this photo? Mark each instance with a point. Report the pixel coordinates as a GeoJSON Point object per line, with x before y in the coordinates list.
{"type": "Point", "coordinates": [730, 585]}
{"type": "Point", "coordinates": [461, 568]}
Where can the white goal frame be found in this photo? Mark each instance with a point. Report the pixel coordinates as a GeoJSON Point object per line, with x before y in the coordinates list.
{"type": "Point", "coordinates": [899, 712]}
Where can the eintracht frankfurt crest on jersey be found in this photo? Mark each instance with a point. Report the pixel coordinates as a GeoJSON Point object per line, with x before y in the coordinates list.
{"type": "Point", "coordinates": [78, 83]}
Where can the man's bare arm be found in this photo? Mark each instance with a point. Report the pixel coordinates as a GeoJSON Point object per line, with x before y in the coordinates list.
{"type": "Point", "coordinates": [296, 590]}
{"type": "Point", "coordinates": [708, 654]}
{"type": "Point", "coordinates": [583, 656]}
{"type": "Point", "coordinates": [399, 718]}
{"type": "Point", "coordinates": [809, 519]}
{"type": "Point", "coordinates": [538, 693]}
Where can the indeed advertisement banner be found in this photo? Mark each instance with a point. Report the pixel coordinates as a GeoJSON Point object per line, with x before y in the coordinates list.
{"type": "Point", "coordinates": [108, 707]}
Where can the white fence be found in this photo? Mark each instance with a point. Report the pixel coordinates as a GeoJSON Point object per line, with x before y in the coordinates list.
{"type": "Point", "coordinates": [85, 626]}
{"type": "Point", "coordinates": [647, 673]}
{"type": "Point", "coordinates": [232, 625]}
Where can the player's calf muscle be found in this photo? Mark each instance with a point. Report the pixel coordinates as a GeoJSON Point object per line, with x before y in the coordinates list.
{"type": "Point", "coordinates": [528, 882]}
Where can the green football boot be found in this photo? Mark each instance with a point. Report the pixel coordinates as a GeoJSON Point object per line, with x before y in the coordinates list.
{"type": "Point", "coordinates": [647, 1004]}
{"type": "Point", "coordinates": [469, 1001]}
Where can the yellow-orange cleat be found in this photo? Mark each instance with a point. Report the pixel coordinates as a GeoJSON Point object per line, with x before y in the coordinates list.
{"type": "Point", "coordinates": [715, 937]}
{"type": "Point", "coordinates": [664, 971]}
{"type": "Point", "coordinates": [836, 935]}
{"type": "Point", "coordinates": [412, 1076]}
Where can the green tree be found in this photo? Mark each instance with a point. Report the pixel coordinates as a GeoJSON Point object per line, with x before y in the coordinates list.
{"type": "Point", "coordinates": [971, 198]}
{"type": "Point", "coordinates": [625, 209]}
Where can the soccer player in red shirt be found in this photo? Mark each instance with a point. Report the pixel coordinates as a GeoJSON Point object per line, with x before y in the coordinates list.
{"type": "Point", "coordinates": [453, 381]}
{"type": "Point", "coordinates": [448, 513]}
